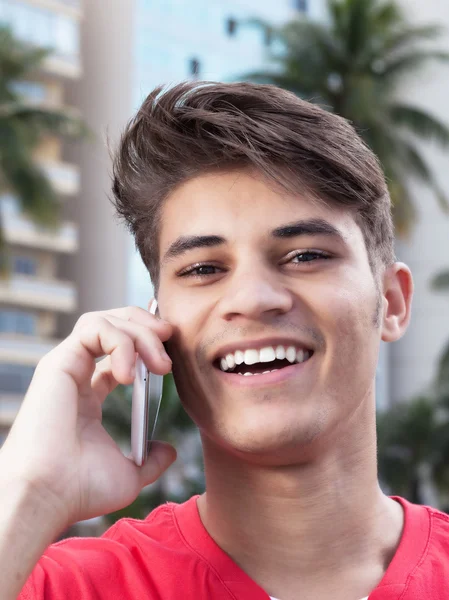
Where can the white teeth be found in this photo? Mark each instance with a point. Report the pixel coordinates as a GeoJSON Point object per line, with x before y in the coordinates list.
{"type": "Point", "coordinates": [290, 355]}
{"type": "Point", "coordinates": [239, 357]}
{"type": "Point", "coordinates": [280, 352]}
{"type": "Point", "coordinates": [267, 355]}
{"type": "Point", "coordinates": [252, 357]}
{"type": "Point", "coordinates": [230, 360]}
{"type": "Point", "coordinates": [246, 374]}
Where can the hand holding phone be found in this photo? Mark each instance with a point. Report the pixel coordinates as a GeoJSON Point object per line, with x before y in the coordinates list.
{"type": "Point", "coordinates": [58, 464]}
{"type": "Point", "coordinates": [146, 401]}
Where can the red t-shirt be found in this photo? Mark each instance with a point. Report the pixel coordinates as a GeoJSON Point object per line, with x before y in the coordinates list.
{"type": "Point", "coordinates": [170, 556]}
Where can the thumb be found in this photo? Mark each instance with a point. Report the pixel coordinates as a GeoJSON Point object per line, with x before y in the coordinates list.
{"type": "Point", "coordinates": [161, 456]}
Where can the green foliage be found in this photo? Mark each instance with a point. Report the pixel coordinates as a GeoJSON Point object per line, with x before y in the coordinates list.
{"type": "Point", "coordinates": [354, 64]}
{"type": "Point", "coordinates": [22, 128]}
{"type": "Point", "coordinates": [174, 426]}
{"type": "Point", "coordinates": [413, 435]}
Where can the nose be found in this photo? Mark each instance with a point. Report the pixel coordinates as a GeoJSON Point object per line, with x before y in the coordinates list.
{"type": "Point", "coordinates": [254, 293]}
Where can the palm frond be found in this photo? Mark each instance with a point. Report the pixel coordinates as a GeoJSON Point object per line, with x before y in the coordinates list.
{"type": "Point", "coordinates": [33, 190]}
{"type": "Point", "coordinates": [397, 40]}
{"type": "Point", "coordinates": [414, 164]}
{"type": "Point", "coordinates": [420, 123]}
{"type": "Point", "coordinates": [18, 59]}
{"type": "Point", "coordinates": [407, 64]}
{"type": "Point", "coordinates": [22, 128]}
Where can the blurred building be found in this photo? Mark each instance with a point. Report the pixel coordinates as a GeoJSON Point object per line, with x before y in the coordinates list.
{"type": "Point", "coordinates": [38, 291]}
{"type": "Point", "coordinates": [56, 276]}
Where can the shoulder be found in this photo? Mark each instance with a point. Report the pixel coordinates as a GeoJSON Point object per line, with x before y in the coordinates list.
{"type": "Point", "coordinates": [439, 532]}
{"type": "Point", "coordinates": [428, 571]}
{"type": "Point", "coordinates": [132, 559]}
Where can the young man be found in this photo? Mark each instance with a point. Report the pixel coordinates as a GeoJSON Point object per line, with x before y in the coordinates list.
{"type": "Point", "coordinates": [265, 224]}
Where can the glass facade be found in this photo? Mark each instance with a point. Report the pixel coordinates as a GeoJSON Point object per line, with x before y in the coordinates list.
{"type": "Point", "coordinates": [16, 321]}
{"type": "Point", "coordinates": [42, 27]}
{"type": "Point", "coordinates": [24, 265]}
{"type": "Point", "coordinates": [15, 378]}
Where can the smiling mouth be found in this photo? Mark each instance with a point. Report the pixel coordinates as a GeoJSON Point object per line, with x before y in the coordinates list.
{"type": "Point", "coordinates": [253, 362]}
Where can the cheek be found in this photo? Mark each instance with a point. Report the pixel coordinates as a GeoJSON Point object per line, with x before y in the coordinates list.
{"type": "Point", "coordinates": [352, 335]}
{"type": "Point", "coordinates": [186, 370]}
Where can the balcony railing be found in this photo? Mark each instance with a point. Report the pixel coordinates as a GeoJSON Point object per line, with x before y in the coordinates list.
{"type": "Point", "coordinates": [63, 65]}
{"type": "Point", "coordinates": [65, 177]}
{"type": "Point", "coordinates": [18, 229]}
{"type": "Point", "coordinates": [51, 294]}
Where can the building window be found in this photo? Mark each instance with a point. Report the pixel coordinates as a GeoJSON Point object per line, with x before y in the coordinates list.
{"type": "Point", "coordinates": [300, 5]}
{"type": "Point", "coordinates": [42, 27]}
{"type": "Point", "coordinates": [194, 66]}
{"type": "Point", "coordinates": [24, 265]}
{"type": "Point", "coordinates": [15, 321]}
{"type": "Point", "coordinates": [231, 26]}
{"type": "Point", "coordinates": [15, 379]}
{"type": "Point", "coordinates": [32, 91]}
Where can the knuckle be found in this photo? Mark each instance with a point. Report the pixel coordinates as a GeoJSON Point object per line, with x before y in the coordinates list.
{"type": "Point", "coordinates": [84, 319]}
{"type": "Point", "coordinates": [136, 313]}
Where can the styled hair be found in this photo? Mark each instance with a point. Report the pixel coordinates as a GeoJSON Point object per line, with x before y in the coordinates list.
{"type": "Point", "coordinates": [198, 127]}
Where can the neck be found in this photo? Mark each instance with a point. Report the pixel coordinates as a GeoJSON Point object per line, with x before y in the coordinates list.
{"type": "Point", "coordinates": [306, 522]}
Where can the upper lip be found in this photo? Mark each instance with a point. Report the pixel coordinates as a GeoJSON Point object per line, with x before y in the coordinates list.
{"type": "Point", "coordinates": [258, 344]}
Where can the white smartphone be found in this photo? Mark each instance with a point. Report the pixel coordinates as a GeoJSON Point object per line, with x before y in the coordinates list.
{"type": "Point", "coordinates": [146, 400]}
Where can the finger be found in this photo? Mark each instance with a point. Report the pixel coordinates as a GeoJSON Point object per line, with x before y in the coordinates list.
{"type": "Point", "coordinates": [131, 314]}
{"type": "Point", "coordinates": [147, 344]}
{"type": "Point", "coordinates": [76, 353]}
{"type": "Point", "coordinates": [161, 456]}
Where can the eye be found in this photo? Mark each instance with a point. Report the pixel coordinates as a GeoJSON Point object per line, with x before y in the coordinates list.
{"type": "Point", "coordinates": [200, 270]}
{"type": "Point", "coordinates": [308, 256]}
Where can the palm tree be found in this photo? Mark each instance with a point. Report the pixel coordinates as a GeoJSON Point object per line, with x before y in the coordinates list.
{"type": "Point", "coordinates": [22, 128]}
{"type": "Point", "coordinates": [185, 477]}
{"type": "Point", "coordinates": [354, 64]}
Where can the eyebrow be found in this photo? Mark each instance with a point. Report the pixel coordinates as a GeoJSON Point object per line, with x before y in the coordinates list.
{"type": "Point", "coordinates": [308, 227]}
{"type": "Point", "coordinates": [185, 243]}
{"type": "Point", "coordinates": [300, 228]}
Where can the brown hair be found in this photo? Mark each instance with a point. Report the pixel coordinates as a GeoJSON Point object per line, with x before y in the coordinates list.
{"type": "Point", "coordinates": [197, 127]}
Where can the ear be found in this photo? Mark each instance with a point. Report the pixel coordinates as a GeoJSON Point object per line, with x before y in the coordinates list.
{"type": "Point", "coordinates": [397, 300]}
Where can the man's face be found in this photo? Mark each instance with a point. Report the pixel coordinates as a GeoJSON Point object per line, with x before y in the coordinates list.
{"type": "Point", "coordinates": [249, 273]}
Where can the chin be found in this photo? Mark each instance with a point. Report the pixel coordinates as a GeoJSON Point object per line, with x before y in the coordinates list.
{"type": "Point", "coordinates": [267, 441]}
